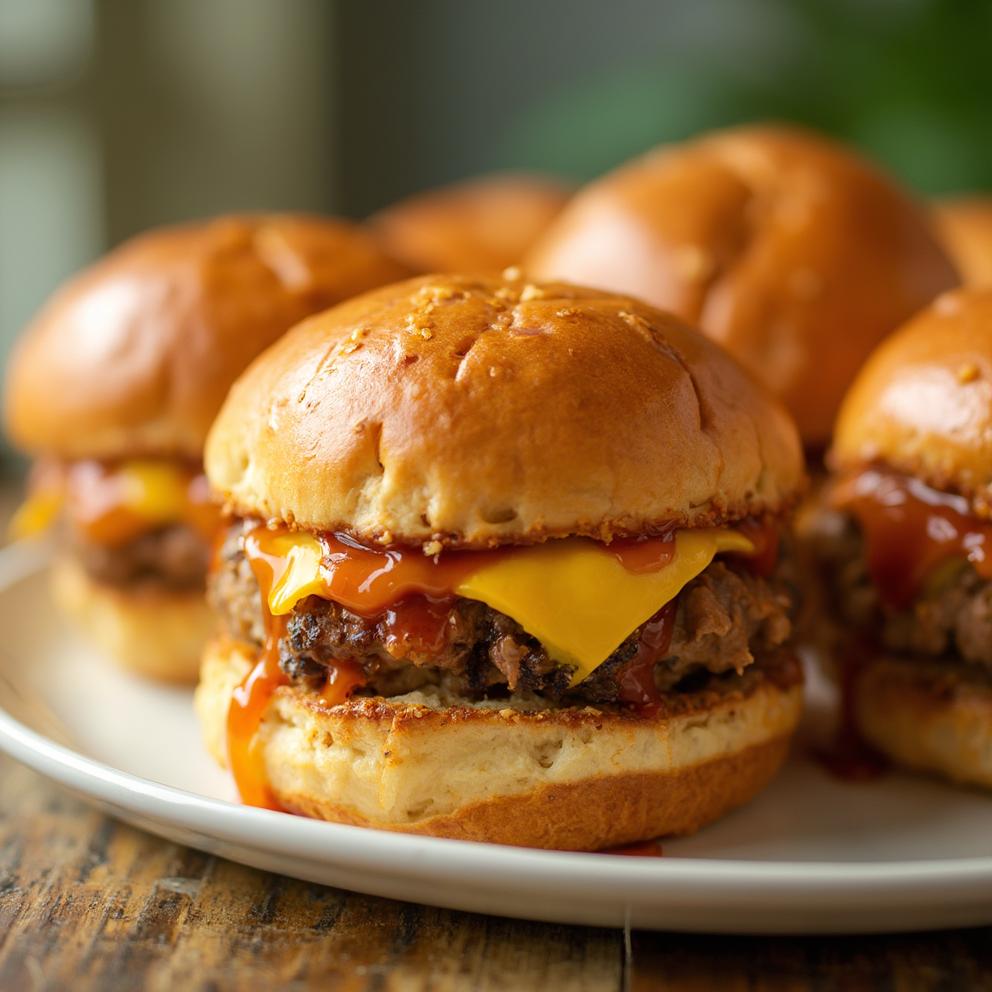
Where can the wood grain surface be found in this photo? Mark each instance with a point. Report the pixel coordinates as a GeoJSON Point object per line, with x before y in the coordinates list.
{"type": "Point", "coordinates": [90, 904]}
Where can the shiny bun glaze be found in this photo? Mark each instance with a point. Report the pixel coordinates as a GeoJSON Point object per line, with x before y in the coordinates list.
{"type": "Point", "coordinates": [135, 354]}
{"type": "Point", "coordinates": [478, 225]}
{"type": "Point", "coordinates": [796, 255]}
{"type": "Point", "coordinates": [922, 404]}
{"type": "Point", "coordinates": [469, 411]}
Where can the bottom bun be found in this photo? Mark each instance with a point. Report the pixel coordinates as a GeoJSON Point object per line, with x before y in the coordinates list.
{"type": "Point", "coordinates": [929, 716]}
{"type": "Point", "coordinates": [156, 634]}
{"type": "Point", "coordinates": [512, 772]}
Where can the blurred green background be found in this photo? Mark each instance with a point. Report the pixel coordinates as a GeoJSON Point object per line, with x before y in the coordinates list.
{"type": "Point", "coordinates": [120, 114]}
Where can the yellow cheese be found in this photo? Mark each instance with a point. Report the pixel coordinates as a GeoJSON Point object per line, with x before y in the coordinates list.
{"type": "Point", "coordinates": [36, 514]}
{"type": "Point", "coordinates": [578, 601]}
{"type": "Point", "coordinates": [153, 490]}
{"type": "Point", "coordinates": [301, 576]}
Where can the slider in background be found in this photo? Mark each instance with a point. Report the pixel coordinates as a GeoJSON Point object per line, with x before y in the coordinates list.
{"type": "Point", "coordinates": [113, 387]}
{"type": "Point", "coordinates": [479, 225]}
{"type": "Point", "coordinates": [786, 248]}
{"type": "Point", "coordinates": [905, 542]}
{"type": "Point", "coordinates": [503, 565]}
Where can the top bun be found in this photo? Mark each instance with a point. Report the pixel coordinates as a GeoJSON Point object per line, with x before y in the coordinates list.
{"type": "Point", "coordinates": [464, 411]}
{"type": "Point", "coordinates": [135, 354]}
{"type": "Point", "coordinates": [482, 224]}
{"type": "Point", "coordinates": [966, 227]}
{"type": "Point", "coordinates": [794, 254]}
{"type": "Point", "coordinates": [923, 402]}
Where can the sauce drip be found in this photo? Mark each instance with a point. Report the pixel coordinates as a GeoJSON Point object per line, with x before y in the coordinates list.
{"type": "Point", "coordinates": [847, 755]}
{"type": "Point", "coordinates": [641, 849]}
{"type": "Point", "coordinates": [417, 625]}
{"type": "Point", "coordinates": [911, 529]}
{"type": "Point", "coordinates": [244, 716]}
{"type": "Point", "coordinates": [637, 685]}
{"type": "Point", "coordinates": [251, 698]}
{"type": "Point", "coordinates": [642, 556]}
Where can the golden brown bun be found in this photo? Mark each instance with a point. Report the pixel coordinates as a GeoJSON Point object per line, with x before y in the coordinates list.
{"type": "Point", "coordinates": [476, 411]}
{"type": "Point", "coordinates": [929, 717]}
{"type": "Point", "coordinates": [569, 779]}
{"type": "Point", "coordinates": [157, 635]}
{"type": "Point", "coordinates": [135, 354]}
{"type": "Point", "coordinates": [794, 254]}
{"type": "Point", "coordinates": [966, 227]}
{"type": "Point", "coordinates": [923, 402]}
{"type": "Point", "coordinates": [474, 226]}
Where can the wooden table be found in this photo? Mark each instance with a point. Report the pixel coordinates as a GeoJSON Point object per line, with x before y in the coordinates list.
{"type": "Point", "coordinates": [88, 903]}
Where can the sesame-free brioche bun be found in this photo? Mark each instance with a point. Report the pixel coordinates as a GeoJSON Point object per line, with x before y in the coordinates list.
{"type": "Point", "coordinates": [477, 411]}
{"type": "Point", "coordinates": [509, 773]}
{"type": "Point", "coordinates": [966, 228]}
{"type": "Point", "coordinates": [134, 355]}
{"type": "Point", "coordinates": [472, 226]}
{"type": "Point", "coordinates": [790, 251]}
{"type": "Point", "coordinates": [923, 402]}
{"type": "Point", "coordinates": [930, 717]}
{"type": "Point", "coordinates": [156, 633]}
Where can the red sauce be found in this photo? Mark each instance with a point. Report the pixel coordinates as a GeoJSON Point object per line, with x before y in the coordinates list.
{"type": "Point", "coordinates": [417, 625]}
{"type": "Point", "coordinates": [249, 702]}
{"type": "Point", "coordinates": [642, 849]}
{"type": "Point", "coordinates": [910, 529]}
{"type": "Point", "coordinates": [96, 503]}
{"type": "Point", "coordinates": [642, 556]}
{"type": "Point", "coordinates": [637, 685]}
{"type": "Point", "coordinates": [847, 755]}
{"type": "Point", "coordinates": [251, 698]}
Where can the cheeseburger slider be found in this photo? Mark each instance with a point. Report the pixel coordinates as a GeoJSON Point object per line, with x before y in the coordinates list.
{"type": "Point", "coordinates": [907, 547]}
{"type": "Point", "coordinates": [966, 227]}
{"type": "Point", "coordinates": [790, 251]}
{"type": "Point", "coordinates": [502, 565]}
{"type": "Point", "coordinates": [472, 226]}
{"type": "Point", "coordinates": [113, 387]}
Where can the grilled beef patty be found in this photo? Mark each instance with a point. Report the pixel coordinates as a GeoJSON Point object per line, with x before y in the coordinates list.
{"type": "Point", "coordinates": [174, 558]}
{"type": "Point", "coordinates": [952, 618]}
{"type": "Point", "coordinates": [724, 617]}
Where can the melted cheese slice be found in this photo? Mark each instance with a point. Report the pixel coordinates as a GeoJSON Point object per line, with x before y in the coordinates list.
{"type": "Point", "coordinates": [156, 491]}
{"type": "Point", "coordinates": [578, 601]}
{"type": "Point", "coordinates": [35, 515]}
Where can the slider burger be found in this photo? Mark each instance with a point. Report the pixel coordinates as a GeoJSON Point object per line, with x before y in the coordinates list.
{"type": "Point", "coordinates": [907, 546]}
{"type": "Point", "coordinates": [113, 387]}
{"type": "Point", "coordinates": [502, 564]}
{"type": "Point", "coordinates": [790, 251]}
{"type": "Point", "coordinates": [966, 228]}
{"type": "Point", "coordinates": [472, 226]}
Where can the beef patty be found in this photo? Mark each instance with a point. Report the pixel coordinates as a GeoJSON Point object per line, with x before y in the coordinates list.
{"type": "Point", "coordinates": [952, 618]}
{"type": "Point", "coordinates": [724, 618]}
{"type": "Point", "coordinates": [174, 558]}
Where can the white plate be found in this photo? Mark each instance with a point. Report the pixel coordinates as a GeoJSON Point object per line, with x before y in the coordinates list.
{"type": "Point", "coordinates": [811, 855]}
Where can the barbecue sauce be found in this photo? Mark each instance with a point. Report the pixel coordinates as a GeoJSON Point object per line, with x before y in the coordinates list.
{"type": "Point", "coordinates": [911, 529]}
{"type": "Point", "coordinates": [637, 684]}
